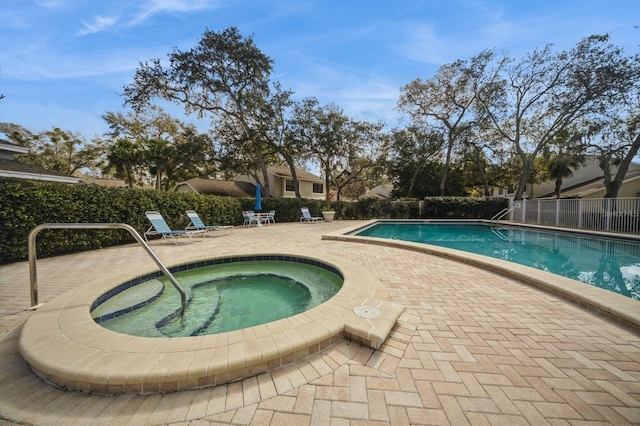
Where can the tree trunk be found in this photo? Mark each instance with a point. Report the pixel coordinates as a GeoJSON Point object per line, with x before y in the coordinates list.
{"type": "Point", "coordinates": [413, 182]}
{"type": "Point", "coordinates": [158, 178]}
{"type": "Point", "coordinates": [522, 184]}
{"type": "Point", "coordinates": [482, 172]}
{"type": "Point", "coordinates": [558, 186]}
{"type": "Point", "coordinates": [129, 177]}
{"type": "Point", "coordinates": [445, 169]}
{"type": "Point", "coordinates": [327, 179]}
{"type": "Point", "coordinates": [614, 185]}
{"type": "Point", "coordinates": [294, 175]}
{"type": "Point", "coordinates": [263, 168]}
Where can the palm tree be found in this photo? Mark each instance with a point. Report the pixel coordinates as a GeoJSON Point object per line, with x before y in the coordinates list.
{"type": "Point", "coordinates": [122, 157]}
{"type": "Point", "coordinates": [569, 157]}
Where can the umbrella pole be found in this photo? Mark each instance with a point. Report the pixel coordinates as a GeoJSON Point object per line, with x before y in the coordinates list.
{"type": "Point", "coordinates": [258, 205]}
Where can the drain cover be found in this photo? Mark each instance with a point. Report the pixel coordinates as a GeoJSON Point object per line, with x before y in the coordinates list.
{"type": "Point", "coordinates": [367, 312]}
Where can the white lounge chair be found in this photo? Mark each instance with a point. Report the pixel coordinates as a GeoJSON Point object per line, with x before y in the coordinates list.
{"type": "Point", "coordinates": [159, 227]}
{"type": "Point", "coordinates": [197, 224]}
{"type": "Point", "coordinates": [306, 216]}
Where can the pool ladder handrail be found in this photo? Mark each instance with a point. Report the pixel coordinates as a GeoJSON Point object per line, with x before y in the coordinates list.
{"type": "Point", "coordinates": [32, 254]}
{"type": "Point", "coordinates": [501, 214]}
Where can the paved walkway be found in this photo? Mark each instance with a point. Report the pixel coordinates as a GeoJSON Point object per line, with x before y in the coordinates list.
{"type": "Point", "coordinates": [472, 347]}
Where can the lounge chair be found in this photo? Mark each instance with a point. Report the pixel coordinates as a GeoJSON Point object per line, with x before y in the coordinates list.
{"type": "Point", "coordinates": [249, 218]}
{"type": "Point", "coordinates": [197, 224]}
{"type": "Point", "coordinates": [159, 227]}
{"type": "Point", "coordinates": [306, 216]}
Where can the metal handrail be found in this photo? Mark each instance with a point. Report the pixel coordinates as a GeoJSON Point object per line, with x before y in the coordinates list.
{"type": "Point", "coordinates": [502, 213]}
{"type": "Point", "coordinates": [32, 254]}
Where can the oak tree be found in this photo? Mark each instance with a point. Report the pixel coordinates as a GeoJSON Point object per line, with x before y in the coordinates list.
{"type": "Point", "coordinates": [225, 77]}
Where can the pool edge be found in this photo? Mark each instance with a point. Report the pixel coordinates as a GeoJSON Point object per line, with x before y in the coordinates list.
{"type": "Point", "coordinates": [618, 308]}
{"type": "Point", "coordinates": [64, 346]}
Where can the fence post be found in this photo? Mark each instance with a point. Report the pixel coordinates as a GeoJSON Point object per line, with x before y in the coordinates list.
{"type": "Point", "coordinates": [636, 215]}
{"type": "Point", "coordinates": [580, 213]}
{"type": "Point", "coordinates": [608, 213]}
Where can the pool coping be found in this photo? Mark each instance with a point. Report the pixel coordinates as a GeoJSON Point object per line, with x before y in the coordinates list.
{"type": "Point", "coordinates": [66, 347]}
{"type": "Point", "coordinates": [616, 307]}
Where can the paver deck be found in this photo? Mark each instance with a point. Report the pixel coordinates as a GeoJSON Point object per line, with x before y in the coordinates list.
{"type": "Point", "coordinates": [472, 347]}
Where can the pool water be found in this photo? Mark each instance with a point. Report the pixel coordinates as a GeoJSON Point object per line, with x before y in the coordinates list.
{"type": "Point", "coordinates": [220, 298]}
{"type": "Point", "coordinates": [611, 264]}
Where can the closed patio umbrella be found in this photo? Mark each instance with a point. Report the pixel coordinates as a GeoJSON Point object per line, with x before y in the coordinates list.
{"type": "Point", "coordinates": [258, 205]}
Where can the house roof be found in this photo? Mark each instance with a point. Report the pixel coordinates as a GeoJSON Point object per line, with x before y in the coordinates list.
{"type": "Point", "coordinates": [381, 191]}
{"type": "Point", "coordinates": [594, 185]}
{"type": "Point", "coordinates": [12, 147]}
{"type": "Point", "coordinates": [219, 187]}
{"type": "Point", "coordinates": [14, 169]}
{"type": "Point", "coordinates": [284, 172]}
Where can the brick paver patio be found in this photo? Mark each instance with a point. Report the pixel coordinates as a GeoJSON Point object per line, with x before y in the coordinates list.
{"type": "Point", "coordinates": [472, 347]}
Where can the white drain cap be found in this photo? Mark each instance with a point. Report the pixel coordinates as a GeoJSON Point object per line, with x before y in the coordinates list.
{"type": "Point", "coordinates": [368, 312]}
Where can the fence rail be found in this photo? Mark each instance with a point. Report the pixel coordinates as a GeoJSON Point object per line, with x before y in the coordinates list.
{"type": "Point", "coordinates": [607, 214]}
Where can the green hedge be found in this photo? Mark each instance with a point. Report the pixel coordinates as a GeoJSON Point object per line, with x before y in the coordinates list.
{"type": "Point", "coordinates": [429, 208]}
{"type": "Point", "coordinates": [25, 204]}
{"type": "Point", "coordinates": [462, 207]}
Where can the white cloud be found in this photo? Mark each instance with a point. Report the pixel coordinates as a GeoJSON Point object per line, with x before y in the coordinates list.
{"type": "Point", "coordinates": [153, 7]}
{"type": "Point", "coordinates": [50, 4]}
{"type": "Point", "coordinates": [424, 45]}
{"type": "Point", "coordinates": [480, 28]}
{"type": "Point", "coordinates": [98, 24]}
{"type": "Point", "coordinates": [363, 95]}
{"type": "Point", "coordinates": [51, 65]}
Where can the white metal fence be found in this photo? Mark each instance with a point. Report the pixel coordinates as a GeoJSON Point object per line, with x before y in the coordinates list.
{"type": "Point", "coordinates": [606, 214]}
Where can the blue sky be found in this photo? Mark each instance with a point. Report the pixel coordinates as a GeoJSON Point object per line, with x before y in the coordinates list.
{"type": "Point", "coordinates": [64, 63]}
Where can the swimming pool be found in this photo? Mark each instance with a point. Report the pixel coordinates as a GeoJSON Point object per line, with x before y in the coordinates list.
{"type": "Point", "coordinates": [607, 263]}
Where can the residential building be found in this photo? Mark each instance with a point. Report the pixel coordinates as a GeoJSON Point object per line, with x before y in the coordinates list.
{"type": "Point", "coordinates": [281, 183]}
{"type": "Point", "coordinates": [10, 167]}
{"type": "Point", "coordinates": [585, 182]}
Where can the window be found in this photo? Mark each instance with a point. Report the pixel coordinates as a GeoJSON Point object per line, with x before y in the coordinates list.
{"type": "Point", "coordinates": [288, 186]}
{"type": "Point", "coordinates": [318, 188]}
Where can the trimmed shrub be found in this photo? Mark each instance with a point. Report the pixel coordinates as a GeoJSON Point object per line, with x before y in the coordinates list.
{"type": "Point", "coordinates": [26, 204]}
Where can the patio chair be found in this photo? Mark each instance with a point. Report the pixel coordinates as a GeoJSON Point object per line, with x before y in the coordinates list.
{"type": "Point", "coordinates": [159, 227]}
{"type": "Point", "coordinates": [197, 224]}
{"type": "Point", "coordinates": [306, 216]}
{"type": "Point", "coordinates": [271, 218]}
{"type": "Point", "coordinates": [249, 218]}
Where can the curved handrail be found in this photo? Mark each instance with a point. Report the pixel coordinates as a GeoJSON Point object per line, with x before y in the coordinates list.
{"type": "Point", "coordinates": [502, 213]}
{"type": "Point", "coordinates": [32, 254]}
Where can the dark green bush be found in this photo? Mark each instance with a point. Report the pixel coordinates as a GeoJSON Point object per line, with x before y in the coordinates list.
{"type": "Point", "coordinates": [429, 208]}
{"type": "Point", "coordinates": [26, 204]}
{"type": "Point", "coordinates": [462, 207]}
